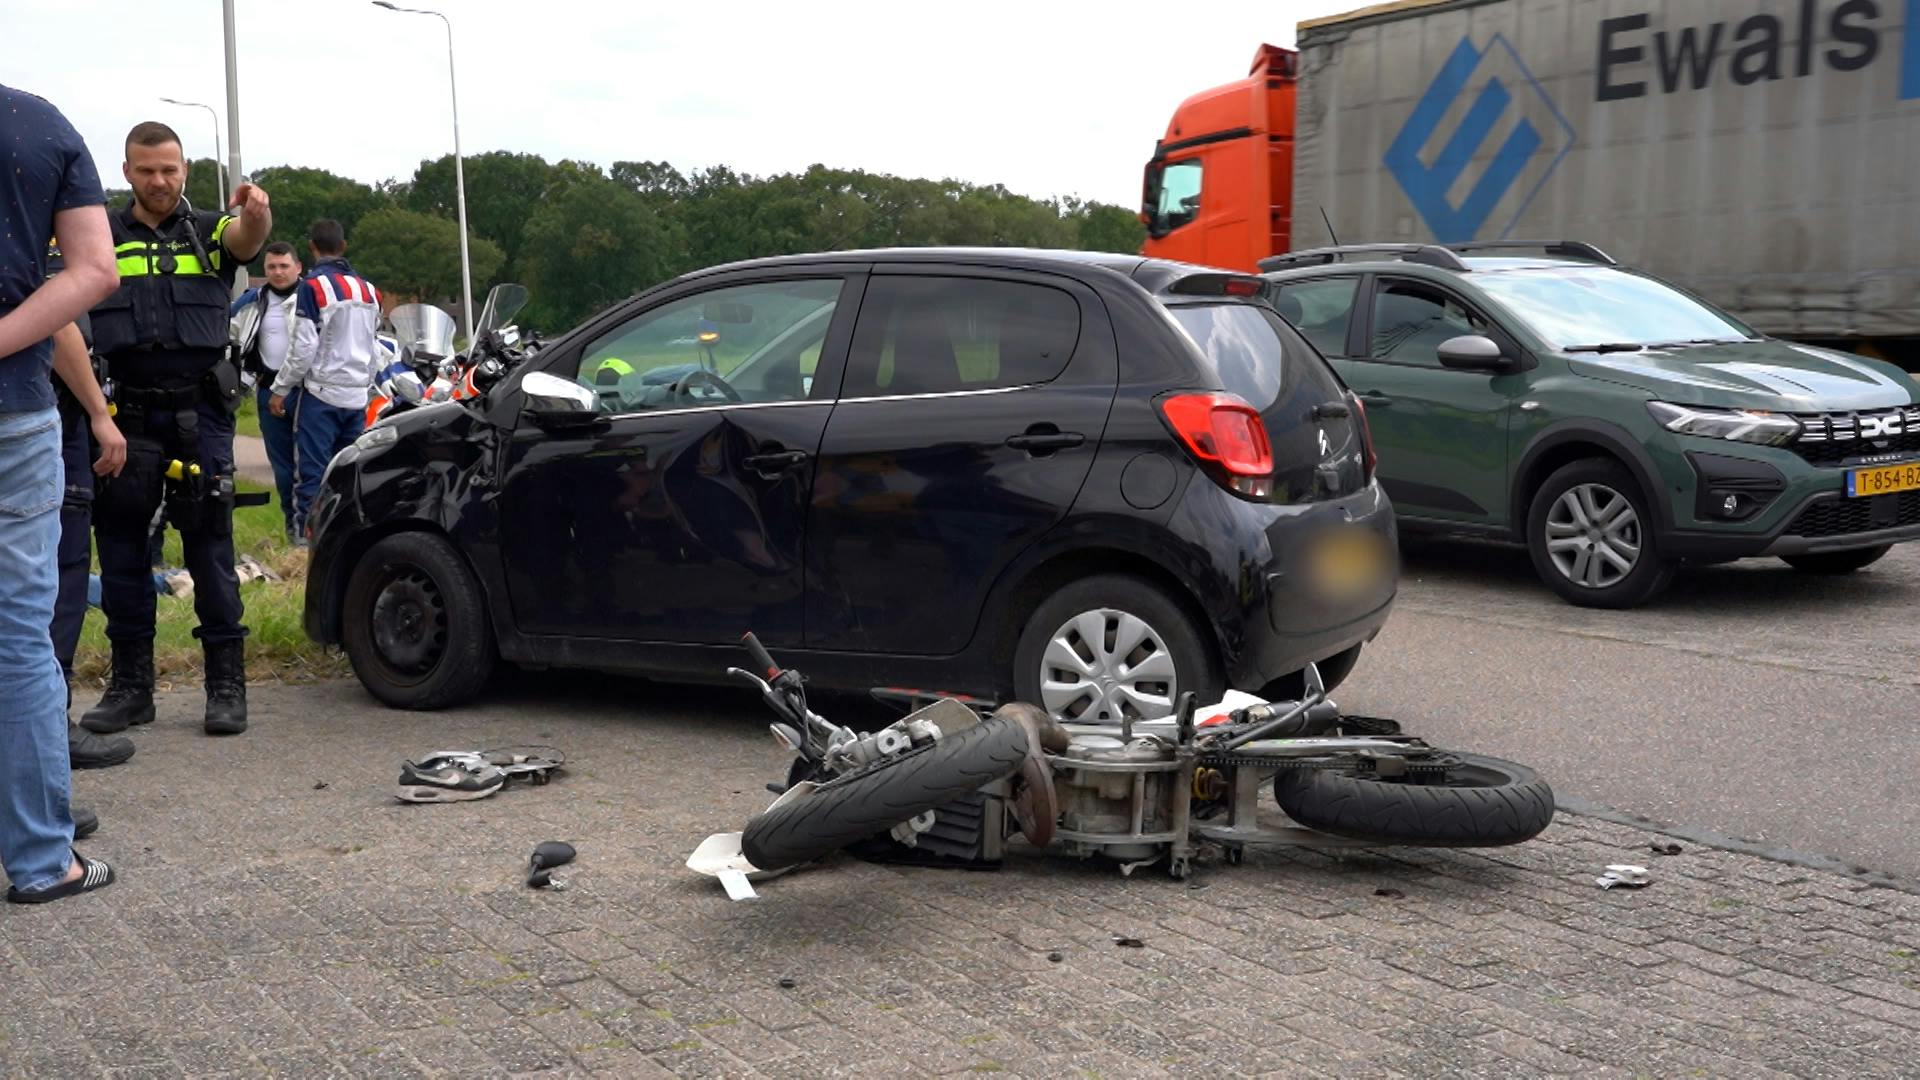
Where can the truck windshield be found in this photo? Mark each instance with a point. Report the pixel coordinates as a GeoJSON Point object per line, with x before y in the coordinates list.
{"type": "Point", "coordinates": [1172, 196]}
{"type": "Point", "coordinates": [1594, 306]}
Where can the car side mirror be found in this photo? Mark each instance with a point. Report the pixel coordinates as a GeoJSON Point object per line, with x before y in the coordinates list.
{"type": "Point", "coordinates": [1473, 352]}
{"type": "Point", "coordinates": [555, 403]}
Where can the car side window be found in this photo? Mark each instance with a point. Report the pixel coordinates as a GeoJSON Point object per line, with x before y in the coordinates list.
{"type": "Point", "coordinates": [745, 343]}
{"type": "Point", "coordinates": [1321, 310]}
{"type": "Point", "coordinates": [931, 335]}
{"type": "Point", "coordinates": [1411, 319]}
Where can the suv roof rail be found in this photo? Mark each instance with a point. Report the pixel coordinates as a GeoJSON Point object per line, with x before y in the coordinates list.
{"type": "Point", "coordinates": [1426, 254]}
{"type": "Point", "coordinates": [1576, 249]}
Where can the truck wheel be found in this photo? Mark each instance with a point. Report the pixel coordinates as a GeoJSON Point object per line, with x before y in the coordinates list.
{"type": "Point", "coordinates": [1591, 534]}
{"type": "Point", "coordinates": [1837, 562]}
{"type": "Point", "coordinates": [414, 624]}
{"type": "Point", "coordinates": [873, 800]}
{"type": "Point", "coordinates": [1485, 802]}
{"type": "Point", "coordinates": [1109, 646]}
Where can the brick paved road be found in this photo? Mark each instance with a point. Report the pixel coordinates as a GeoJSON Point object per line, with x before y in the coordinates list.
{"type": "Point", "coordinates": [266, 925]}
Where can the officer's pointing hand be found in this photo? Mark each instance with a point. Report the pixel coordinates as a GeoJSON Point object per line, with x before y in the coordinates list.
{"type": "Point", "coordinates": [250, 198]}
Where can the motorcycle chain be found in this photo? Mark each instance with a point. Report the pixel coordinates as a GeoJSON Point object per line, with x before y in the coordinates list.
{"type": "Point", "coordinates": [1436, 767]}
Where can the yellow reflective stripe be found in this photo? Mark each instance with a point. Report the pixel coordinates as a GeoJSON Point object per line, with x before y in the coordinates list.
{"type": "Point", "coordinates": [220, 229]}
{"type": "Point", "coordinates": [130, 246]}
{"type": "Point", "coordinates": [141, 266]}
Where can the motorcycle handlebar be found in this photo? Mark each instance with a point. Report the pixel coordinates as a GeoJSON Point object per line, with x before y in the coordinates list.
{"type": "Point", "coordinates": [762, 658]}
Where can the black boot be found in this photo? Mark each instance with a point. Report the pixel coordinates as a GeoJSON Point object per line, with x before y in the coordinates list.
{"type": "Point", "coordinates": [129, 696]}
{"type": "Point", "coordinates": [226, 687]}
{"type": "Point", "coordinates": [89, 751]}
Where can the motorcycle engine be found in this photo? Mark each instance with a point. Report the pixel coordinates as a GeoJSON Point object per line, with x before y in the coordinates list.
{"type": "Point", "coordinates": [1116, 787]}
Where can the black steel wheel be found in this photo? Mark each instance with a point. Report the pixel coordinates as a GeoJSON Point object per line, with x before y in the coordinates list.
{"type": "Point", "coordinates": [414, 625]}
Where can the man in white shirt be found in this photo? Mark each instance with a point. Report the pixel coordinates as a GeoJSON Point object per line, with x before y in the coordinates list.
{"type": "Point", "coordinates": [335, 341]}
{"type": "Point", "coordinates": [266, 353]}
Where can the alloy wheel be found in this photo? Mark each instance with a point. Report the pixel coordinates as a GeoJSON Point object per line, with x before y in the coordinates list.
{"type": "Point", "coordinates": [1593, 536]}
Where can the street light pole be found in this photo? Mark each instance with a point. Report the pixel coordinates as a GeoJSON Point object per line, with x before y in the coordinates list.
{"type": "Point", "coordinates": [234, 171]}
{"type": "Point", "coordinates": [219, 176]}
{"type": "Point", "coordinates": [459, 173]}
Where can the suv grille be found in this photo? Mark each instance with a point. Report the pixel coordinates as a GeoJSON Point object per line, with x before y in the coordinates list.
{"type": "Point", "coordinates": [1832, 438]}
{"type": "Point", "coordinates": [1843, 517]}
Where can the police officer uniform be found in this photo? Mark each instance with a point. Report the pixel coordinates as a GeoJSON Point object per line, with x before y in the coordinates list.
{"type": "Point", "coordinates": [164, 335]}
{"type": "Point", "coordinates": [84, 748]}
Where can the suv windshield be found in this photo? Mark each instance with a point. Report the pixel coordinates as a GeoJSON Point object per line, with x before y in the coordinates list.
{"type": "Point", "coordinates": [1597, 305]}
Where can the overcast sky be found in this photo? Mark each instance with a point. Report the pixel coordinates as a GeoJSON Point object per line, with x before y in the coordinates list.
{"type": "Point", "coordinates": [1048, 98]}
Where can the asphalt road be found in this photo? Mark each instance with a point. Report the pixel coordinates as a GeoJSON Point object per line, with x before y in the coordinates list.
{"type": "Point", "coordinates": [1750, 701]}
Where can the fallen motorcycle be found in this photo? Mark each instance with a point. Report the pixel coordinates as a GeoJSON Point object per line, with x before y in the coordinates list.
{"type": "Point", "coordinates": [947, 785]}
{"type": "Point", "coordinates": [420, 366]}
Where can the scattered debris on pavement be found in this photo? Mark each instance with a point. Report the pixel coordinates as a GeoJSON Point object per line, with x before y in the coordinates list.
{"type": "Point", "coordinates": [1623, 876]}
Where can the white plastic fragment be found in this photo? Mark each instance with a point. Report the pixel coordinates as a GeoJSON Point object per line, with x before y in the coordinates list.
{"type": "Point", "coordinates": [1623, 876]}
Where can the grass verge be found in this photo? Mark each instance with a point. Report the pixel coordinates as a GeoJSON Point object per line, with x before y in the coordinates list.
{"type": "Point", "coordinates": [278, 649]}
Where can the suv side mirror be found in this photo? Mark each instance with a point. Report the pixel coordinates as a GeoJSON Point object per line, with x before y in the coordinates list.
{"type": "Point", "coordinates": [1473, 352]}
{"type": "Point", "coordinates": [558, 404]}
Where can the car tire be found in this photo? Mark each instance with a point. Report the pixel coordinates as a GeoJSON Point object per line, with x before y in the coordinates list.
{"type": "Point", "coordinates": [1564, 509]}
{"type": "Point", "coordinates": [1837, 562]}
{"type": "Point", "coordinates": [1333, 671]}
{"type": "Point", "coordinates": [415, 625]}
{"type": "Point", "coordinates": [1116, 608]}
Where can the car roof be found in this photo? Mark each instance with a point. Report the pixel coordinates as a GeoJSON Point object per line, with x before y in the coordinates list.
{"type": "Point", "coordinates": [1154, 275]}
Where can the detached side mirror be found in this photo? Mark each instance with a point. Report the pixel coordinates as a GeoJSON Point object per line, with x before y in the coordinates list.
{"type": "Point", "coordinates": [1474, 352]}
{"type": "Point", "coordinates": [558, 404]}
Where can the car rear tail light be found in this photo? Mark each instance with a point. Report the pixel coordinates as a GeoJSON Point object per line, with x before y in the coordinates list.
{"type": "Point", "coordinates": [1224, 432]}
{"type": "Point", "coordinates": [1366, 433]}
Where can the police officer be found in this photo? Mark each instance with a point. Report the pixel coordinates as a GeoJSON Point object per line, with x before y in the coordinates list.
{"type": "Point", "coordinates": [164, 335]}
{"type": "Point", "coordinates": [85, 422]}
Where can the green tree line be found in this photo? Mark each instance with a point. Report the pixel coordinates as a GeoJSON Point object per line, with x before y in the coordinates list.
{"type": "Point", "coordinates": [581, 238]}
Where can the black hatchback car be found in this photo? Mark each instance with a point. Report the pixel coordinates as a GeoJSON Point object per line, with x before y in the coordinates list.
{"type": "Point", "coordinates": [1089, 481]}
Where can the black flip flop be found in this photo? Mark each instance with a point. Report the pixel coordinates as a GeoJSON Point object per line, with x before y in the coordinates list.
{"type": "Point", "coordinates": [94, 874]}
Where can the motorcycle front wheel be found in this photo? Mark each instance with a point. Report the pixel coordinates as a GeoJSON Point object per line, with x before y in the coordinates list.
{"type": "Point", "coordinates": [873, 800]}
{"type": "Point", "coordinates": [1484, 802]}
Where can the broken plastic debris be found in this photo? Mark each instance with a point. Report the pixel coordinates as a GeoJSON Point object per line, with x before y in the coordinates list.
{"type": "Point", "coordinates": [1055, 957]}
{"type": "Point", "coordinates": [737, 885]}
{"type": "Point", "coordinates": [787, 983]}
{"type": "Point", "coordinates": [1623, 876]}
{"type": "Point", "coordinates": [1665, 849]}
{"type": "Point", "coordinates": [1129, 942]}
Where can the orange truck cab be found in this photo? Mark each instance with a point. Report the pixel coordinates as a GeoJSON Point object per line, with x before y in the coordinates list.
{"type": "Point", "coordinates": [1219, 189]}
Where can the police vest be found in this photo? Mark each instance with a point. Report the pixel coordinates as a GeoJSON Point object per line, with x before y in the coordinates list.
{"type": "Point", "coordinates": [169, 296]}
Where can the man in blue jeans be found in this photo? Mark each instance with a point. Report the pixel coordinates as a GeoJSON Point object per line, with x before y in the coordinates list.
{"type": "Point", "coordinates": [50, 186]}
{"type": "Point", "coordinates": [331, 364]}
{"type": "Point", "coordinates": [264, 352]}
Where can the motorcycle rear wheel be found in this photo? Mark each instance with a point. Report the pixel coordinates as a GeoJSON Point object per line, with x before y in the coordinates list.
{"type": "Point", "coordinates": [1485, 802]}
{"type": "Point", "coordinates": [856, 806]}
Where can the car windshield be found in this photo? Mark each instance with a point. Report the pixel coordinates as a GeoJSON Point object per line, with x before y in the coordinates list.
{"type": "Point", "coordinates": [1592, 306]}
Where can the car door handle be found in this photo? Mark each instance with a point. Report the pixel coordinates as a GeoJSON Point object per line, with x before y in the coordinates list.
{"type": "Point", "coordinates": [1045, 439]}
{"type": "Point", "coordinates": [1374, 399]}
{"type": "Point", "coordinates": [772, 464]}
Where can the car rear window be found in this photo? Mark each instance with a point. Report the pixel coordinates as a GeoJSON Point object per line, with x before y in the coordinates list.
{"type": "Point", "coordinates": [1246, 346]}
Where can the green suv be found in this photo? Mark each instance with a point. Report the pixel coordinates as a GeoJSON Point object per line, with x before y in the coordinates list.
{"type": "Point", "coordinates": [1616, 424]}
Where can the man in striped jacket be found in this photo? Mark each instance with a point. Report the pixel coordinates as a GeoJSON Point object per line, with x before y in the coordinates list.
{"type": "Point", "coordinates": [329, 370]}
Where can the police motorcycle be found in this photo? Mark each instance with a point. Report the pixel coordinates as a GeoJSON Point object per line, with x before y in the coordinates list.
{"type": "Point", "coordinates": [422, 365]}
{"type": "Point", "coordinates": [952, 783]}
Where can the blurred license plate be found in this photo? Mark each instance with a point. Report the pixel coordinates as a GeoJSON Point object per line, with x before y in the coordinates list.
{"type": "Point", "coordinates": [1349, 562]}
{"type": "Point", "coordinates": [1884, 480]}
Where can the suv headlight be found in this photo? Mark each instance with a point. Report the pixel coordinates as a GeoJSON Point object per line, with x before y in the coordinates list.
{"type": "Point", "coordinates": [1739, 425]}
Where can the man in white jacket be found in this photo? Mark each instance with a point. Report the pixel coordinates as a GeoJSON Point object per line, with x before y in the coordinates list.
{"type": "Point", "coordinates": [335, 343]}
